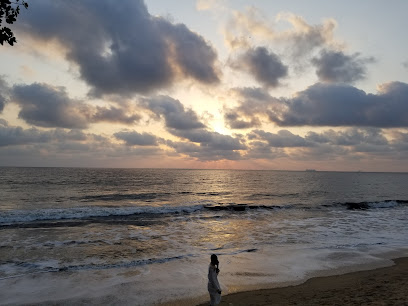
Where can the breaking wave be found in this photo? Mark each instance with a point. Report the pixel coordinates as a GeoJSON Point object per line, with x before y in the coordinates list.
{"type": "Point", "coordinates": [138, 215]}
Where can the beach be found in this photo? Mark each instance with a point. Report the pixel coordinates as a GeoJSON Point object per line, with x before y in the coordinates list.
{"type": "Point", "coordinates": [382, 286]}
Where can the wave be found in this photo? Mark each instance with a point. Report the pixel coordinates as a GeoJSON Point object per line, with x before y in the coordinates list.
{"type": "Point", "coordinates": [143, 215]}
{"type": "Point", "coordinates": [348, 205]}
{"type": "Point", "coordinates": [147, 196]}
{"type": "Point", "coordinates": [89, 213]}
{"type": "Point", "coordinates": [33, 268]}
{"type": "Point", "coordinates": [373, 205]}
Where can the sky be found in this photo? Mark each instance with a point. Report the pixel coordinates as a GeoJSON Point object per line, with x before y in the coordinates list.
{"type": "Point", "coordinates": [206, 84]}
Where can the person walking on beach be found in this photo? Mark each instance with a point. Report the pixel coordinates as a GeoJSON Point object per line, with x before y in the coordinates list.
{"type": "Point", "coordinates": [214, 288]}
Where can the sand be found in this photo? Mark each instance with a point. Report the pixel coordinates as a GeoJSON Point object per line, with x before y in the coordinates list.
{"type": "Point", "coordinates": [383, 286]}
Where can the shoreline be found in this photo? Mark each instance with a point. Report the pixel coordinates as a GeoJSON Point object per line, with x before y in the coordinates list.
{"type": "Point", "coordinates": [378, 286]}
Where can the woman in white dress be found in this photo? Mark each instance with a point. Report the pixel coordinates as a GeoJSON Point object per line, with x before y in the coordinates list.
{"type": "Point", "coordinates": [213, 286]}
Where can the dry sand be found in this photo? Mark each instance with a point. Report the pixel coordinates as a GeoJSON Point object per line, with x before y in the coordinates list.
{"type": "Point", "coordinates": [383, 286]}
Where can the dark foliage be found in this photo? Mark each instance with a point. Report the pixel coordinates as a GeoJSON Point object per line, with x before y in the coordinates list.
{"type": "Point", "coordinates": [9, 11]}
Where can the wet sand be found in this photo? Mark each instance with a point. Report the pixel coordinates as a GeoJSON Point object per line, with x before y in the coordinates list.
{"type": "Point", "coordinates": [383, 286]}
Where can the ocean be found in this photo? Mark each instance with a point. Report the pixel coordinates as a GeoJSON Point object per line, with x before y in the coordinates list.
{"type": "Point", "coordinates": [145, 236]}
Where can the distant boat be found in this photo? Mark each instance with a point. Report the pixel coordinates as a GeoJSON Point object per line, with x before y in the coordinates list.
{"type": "Point", "coordinates": [310, 170]}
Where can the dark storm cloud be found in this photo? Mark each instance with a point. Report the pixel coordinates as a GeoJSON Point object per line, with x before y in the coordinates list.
{"type": "Point", "coordinates": [174, 113]}
{"type": "Point", "coordinates": [335, 66]}
{"type": "Point", "coordinates": [119, 47]}
{"type": "Point", "coordinates": [133, 138]}
{"type": "Point", "coordinates": [343, 105]}
{"type": "Point", "coordinates": [264, 65]}
{"type": "Point", "coordinates": [47, 106]}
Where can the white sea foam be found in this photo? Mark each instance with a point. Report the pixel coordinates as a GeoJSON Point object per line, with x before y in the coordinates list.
{"type": "Point", "coordinates": [186, 280]}
{"type": "Point", "coordinates": [384, 204]}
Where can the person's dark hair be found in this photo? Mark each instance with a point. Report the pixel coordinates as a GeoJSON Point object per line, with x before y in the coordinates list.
{"type": "Point", "coordinates": [214, 260]}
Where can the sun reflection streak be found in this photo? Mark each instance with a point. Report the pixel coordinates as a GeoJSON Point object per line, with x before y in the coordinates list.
{"type": "Point", "coordinates": [220, 234]}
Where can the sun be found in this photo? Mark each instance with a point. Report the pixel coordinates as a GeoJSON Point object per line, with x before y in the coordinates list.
{"type": "Point", "coordinates": [219, 127]}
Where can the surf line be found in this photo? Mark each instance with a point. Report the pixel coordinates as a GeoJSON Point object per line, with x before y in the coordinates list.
{"type": "Point", "coordinates": [35, 272]}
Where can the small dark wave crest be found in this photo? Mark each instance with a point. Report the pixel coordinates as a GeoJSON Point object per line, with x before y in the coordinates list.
{"type": "Point", "coordinates": [374, 205]}
{"type": "Point", "coordinates": [347, 205]}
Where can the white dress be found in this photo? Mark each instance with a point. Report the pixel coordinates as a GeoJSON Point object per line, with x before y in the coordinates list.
{"type": "Point", "coordinates": [213, 286]}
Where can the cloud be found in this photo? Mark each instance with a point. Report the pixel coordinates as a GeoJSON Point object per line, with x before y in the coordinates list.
{"type": "Point", "coordinates": [201, 143]}
{"type": "Point", "coordinates": [348, 144]}
{"type": "Point", "coordinates": [4, 92]}
{"type": "Point", "coordinates": [282, 139]}
{"type": "Point", "coordinates": [211, 140]}
{"type": "Point", "coordinates": [114, 114]}
{"type": "Point", "coordinates": [349, 137]}
{"type": "Point", "coordinates": [400, 143]}
{"type": "Point", "coordinates": [133, 138]}
{"type": "Point", "coordinates": [405, 64]}
{"type": "Point", "coordinates": [2, 103]}
{"type": "Point", "coordinates": [264, 65]}
{"type": "Point", "coordinates": [121, 48]}
{"type": "Point", "coordinates": [11, 135]}
{"type": "Point", "coordinates": [335, 66]}
{"type": "Point", "coordinates": [344, 105]}
{"type": "Point", "coordinates": [234, 120]}
{"type": "Point", "coordinates": [184, 123]}
{"type": "Point", "coordinates": [210, 147]}
{"type": "Point", "coordinates": [193, 56]}
{"type": "Point", "coordinates": [56, 147]}
{"type": "Point", "coordinates": [48, 106]}
{"type": "Point", "coordinates": [262, 150]}
{"type": "Point", "coordinates": [174, 113]}
{"type": "Point", "coordinates": [250, 27]}
{"type": "Point", "coordinates": [322, 104]}
{"type": "Point", "coordinates": [253, 104]}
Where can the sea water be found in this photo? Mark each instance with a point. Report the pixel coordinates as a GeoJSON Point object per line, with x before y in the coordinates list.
{"type": "Point", "coordinates": [145, 236]}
